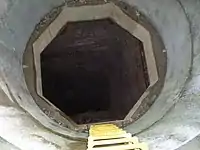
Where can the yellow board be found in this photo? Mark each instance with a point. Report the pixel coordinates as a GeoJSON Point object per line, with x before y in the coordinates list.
{"type": "Point", "coordinates": [111, 137]}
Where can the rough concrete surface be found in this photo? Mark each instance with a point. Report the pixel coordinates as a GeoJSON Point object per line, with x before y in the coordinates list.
{"type": "Point", "coordinates": [171, 123]}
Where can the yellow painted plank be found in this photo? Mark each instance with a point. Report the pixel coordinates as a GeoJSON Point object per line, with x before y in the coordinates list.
{"type": "Point", "coordinates": [105, 130]}
{"type": "Point", "coordinates": [111, 137]}
{"type": "Point", "coordinates": [140, 146]}
{"type": "Point", "coordinates": [133, 140]}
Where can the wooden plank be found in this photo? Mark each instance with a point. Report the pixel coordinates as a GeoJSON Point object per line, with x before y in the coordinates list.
{"type": "Point", "coordinates": [139, 146]}
{"type": "Point", "coordinates": [133, 140]}
{"type": "Point", "coordinates": [113, 136]}
{"type": "Point", "coordinates": [110, 137]}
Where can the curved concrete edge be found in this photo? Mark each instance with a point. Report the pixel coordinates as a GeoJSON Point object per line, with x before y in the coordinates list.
{"type": "Point", "coordinates": [13, 39]}
{"type": "Point", "coordinates": [177, 67]}
{"type": "Point", "coordinates": [181, 125]}
{"type": "Point", "coordinates": [193, 145]}
{"type": "Point", "coordinates": [19, 129]}
{"type": "Point", "coordinates": [7, 146]}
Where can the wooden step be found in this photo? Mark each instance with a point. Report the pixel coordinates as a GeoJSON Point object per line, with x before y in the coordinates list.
{"type": "Point", "coordinates": [110, 137]}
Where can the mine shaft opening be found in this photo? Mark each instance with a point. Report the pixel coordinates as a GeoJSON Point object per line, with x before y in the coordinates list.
{"type": "Point", "coordinates": [94, 71]}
